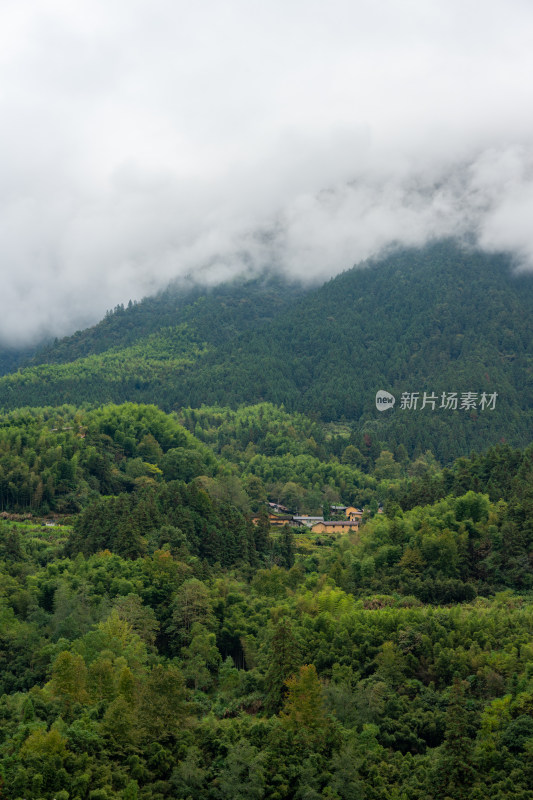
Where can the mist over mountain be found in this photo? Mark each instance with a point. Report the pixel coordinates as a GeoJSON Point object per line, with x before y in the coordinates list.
{"type": "Point", "coordinates": [202, 143]}
{"type": "Point", "coordinates": [438, 320]}
{"type": "Point", "coordinates": [266, 400]}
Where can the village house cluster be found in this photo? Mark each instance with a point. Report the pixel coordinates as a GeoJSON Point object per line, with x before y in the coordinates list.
{"type": "Point", "coordinates": [280, 515]}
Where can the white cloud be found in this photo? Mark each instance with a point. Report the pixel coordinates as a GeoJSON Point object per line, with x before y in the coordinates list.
{"type": "Point", "coordinates": [140, 142]}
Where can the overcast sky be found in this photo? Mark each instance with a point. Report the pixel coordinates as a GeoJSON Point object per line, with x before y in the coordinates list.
{"type": "Point", "coordinates": [140, 141]}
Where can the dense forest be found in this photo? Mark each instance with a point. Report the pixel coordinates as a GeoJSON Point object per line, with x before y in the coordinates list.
{"type": "Point", "coordinates": [156, 642]}
{"type": "Point", "coordinates": [439, 320]}
{"type": "Point", "coordinates": [164, 635]}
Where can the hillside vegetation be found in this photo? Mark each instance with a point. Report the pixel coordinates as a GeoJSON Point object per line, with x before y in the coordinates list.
{"type": "Point", "coordinates": [160, 639]}
{"type": "Point", "coordinates": [437, 320]}
{"type": "Point", "coordinates": [156, 643]}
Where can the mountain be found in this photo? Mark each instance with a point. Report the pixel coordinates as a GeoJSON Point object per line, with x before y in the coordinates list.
{"type": "Point", "coordinates": [438, 320]}
{"type": "Point", "coordinates": [160, 637]}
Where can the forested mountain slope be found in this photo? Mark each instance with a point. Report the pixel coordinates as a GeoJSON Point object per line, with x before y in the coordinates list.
{"type": "Point", "coordinates": [158, 644]}
{"type": "Point", "coordinates": [215, 315]}
{"type": "Point", "coordinates": [13, 357]}
{"type": "Point", "coordinates": [442, 319]}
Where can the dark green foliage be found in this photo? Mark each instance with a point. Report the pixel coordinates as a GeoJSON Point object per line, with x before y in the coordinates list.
{"type": "Point", "coordinates": [440, 319]}
{"type": "Point", "coordinates": [283, 549]}
{"type": "Point", "coordinates": [110, 524]}
{"type": "Point", "coordinates": [446, 553]}
{"type": "Point", "coordinates": [493, 472]}
{"type": "Point", "coordinates": [332, 699]}
{"type": "Point", "coordinates": [160, 645]}
{"type": "Point", "coordinates": [131, 525]}
{"type": "Point", "coordinates": [455, 767]}
{"type": "Point", "coordinates": [283, 659]}
{"type": "Point", "coordinates": [11, 358]}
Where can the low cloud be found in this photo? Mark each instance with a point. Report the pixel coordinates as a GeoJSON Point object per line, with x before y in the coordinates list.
{"type": "Point", "coordinates": [144, 145]}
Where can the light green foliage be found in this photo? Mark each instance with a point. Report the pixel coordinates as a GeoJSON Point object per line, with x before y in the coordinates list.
{"type": "Point", "coordinates": [303, 710]}
{"type": "Point", "coordinates": [190, 660]}
{"type": "Point", "coordinates": [168, 350]}
{"type": "Point", "coordinates": [191, 606]}
{"type": "Point", "coordinates": [411, 323]}
{"type": "Point", "coordinates": [201, 658]}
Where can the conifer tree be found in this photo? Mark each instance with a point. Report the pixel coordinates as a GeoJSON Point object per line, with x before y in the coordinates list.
{"type": "Point", "coordinates": [284, 659]}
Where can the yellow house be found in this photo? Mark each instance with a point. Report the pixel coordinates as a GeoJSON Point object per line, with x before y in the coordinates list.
{"type": "Point", "coordinates": [353, 514]}
{"type": "Point", "coordinates": [333, 526]}
{"type": "Point", "coordinates": [277, 520]}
